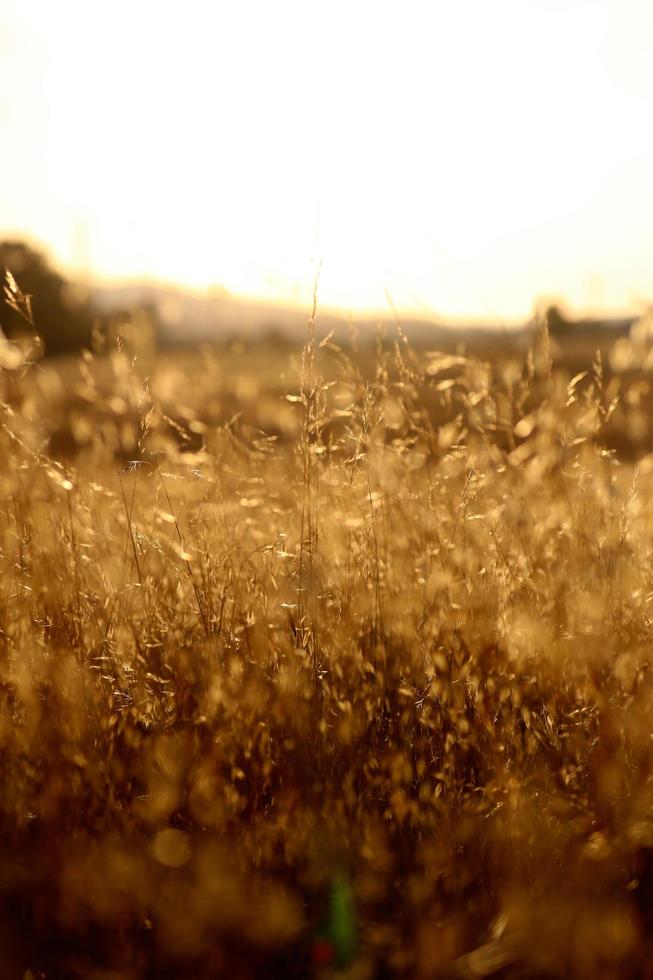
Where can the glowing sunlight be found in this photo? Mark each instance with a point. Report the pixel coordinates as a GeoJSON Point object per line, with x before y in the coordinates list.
{"type": "Point", "coordinates": [465, 158]}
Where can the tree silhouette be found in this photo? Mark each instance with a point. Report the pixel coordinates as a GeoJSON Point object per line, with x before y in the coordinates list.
{"type": "Point", "coordinates": [557, 323]}
{"type": "Point", "coordinates": [61, 316]}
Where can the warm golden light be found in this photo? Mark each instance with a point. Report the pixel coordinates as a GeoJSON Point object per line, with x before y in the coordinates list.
{"type": "Point", "coordinates": [465, 158]}
{"type": "Point", "coordinates": [325, 640]}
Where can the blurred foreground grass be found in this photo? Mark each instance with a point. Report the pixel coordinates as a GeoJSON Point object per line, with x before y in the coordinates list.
{"type": "Point", "coordinates": [326, 664]}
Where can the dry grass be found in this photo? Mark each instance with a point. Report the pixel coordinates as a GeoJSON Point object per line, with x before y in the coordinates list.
{"type": "Point", "coordinates": [364, 659]}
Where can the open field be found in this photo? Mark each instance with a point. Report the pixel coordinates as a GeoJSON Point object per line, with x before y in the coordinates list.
{"type": "Point", "coordinates": [327, 663]}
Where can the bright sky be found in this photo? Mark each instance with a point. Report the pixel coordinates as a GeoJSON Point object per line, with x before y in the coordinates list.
{"type": "Point", "coordinates": [467, 156]}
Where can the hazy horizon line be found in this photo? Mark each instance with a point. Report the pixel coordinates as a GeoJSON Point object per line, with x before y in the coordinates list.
{"type": "Point", "coordinates": [94, 279]}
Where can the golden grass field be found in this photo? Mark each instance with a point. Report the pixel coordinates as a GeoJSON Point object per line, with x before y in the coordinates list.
{"type": "Point", "coordinates": [326, 664]}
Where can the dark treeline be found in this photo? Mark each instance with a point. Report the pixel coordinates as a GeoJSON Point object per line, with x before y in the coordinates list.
{"type": "Point", "coordinates": [61, 314]}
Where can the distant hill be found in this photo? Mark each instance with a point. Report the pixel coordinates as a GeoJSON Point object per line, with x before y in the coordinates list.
{"type": "Point", "coordinates": [64, 314]}
{"type": "Point", "coordinates": [187, 317]}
